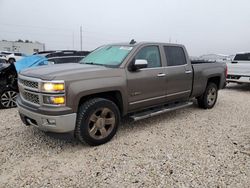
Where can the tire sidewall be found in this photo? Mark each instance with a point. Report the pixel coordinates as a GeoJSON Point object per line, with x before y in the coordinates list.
{"type": "Point", "coordinates": [210, 86]}
{"type": "Point", "coordinates": [12, 60]}
{"type": "Point", "coordinates": [1, 93]}
{"type": "Point", "coordinates": [84, 132]}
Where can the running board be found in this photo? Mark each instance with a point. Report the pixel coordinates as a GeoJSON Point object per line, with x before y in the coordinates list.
{"type": "Point", "coordinates": [157, 111]}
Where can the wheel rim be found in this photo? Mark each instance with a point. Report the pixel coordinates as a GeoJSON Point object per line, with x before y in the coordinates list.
{"type": "Point", "coordinates": [101, 123]}
{"type": "Point", "coordinates": [211, 96]}
{"type": "Point", "coordinates": [8, 99]}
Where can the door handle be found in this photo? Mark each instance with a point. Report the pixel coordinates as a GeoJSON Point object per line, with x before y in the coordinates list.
{"type": "Point", "coordinates": [188, 71]}
{"type": "Point", "coordinates": [161, 75]}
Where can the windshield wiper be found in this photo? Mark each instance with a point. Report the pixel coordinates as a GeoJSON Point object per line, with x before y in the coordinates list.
{"type": "Point", "coordinates": [92, 63]}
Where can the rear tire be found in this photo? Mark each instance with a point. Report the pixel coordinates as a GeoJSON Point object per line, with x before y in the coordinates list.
{"type": "Point", "coordinates": [209, 97]}
{"type": "Point", "coordinates": [97, 121]}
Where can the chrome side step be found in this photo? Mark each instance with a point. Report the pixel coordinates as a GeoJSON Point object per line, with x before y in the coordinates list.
{"type": "Point", "coordinates": [157, 111]}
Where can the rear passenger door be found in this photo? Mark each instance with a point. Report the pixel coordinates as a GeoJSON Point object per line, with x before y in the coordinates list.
{"type": "Point", "coordinates": [179, 73]}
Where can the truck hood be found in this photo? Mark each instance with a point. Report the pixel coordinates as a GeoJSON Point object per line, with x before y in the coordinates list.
{"type": "Point", "coordinates": [239, 69]}
{"type": "Point", "coordinates": [69, 71]}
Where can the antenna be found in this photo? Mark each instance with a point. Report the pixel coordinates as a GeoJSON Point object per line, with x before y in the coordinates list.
{"type": "Point", "coordinates": [132, 41]}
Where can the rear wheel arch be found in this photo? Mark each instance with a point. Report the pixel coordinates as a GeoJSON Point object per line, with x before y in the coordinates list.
{"type": "Point", "coordinates": [215, 79]}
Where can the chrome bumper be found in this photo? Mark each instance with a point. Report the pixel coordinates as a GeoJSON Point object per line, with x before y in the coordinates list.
{"type": "Point", "coordinates": [58, 124]}
{"type": "Point", "coordinates": [240, 80]}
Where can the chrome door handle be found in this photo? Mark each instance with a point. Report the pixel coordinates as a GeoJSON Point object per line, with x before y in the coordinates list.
{"type": "Point", "coordinates": [161, 75]}
{"type": "Point", "coordinates": [188, 72]}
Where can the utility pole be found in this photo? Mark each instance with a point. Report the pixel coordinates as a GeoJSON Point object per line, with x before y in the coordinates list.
{"type": "Point", "coordinates": [73, 41]}
{"type": "Point", "coordinates": [81, 37]}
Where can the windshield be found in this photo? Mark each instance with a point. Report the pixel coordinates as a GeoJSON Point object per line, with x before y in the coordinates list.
{"type": "Point", "coordinates": [111, 56]}
{"type": "Point", "coordinates": [242, 57]}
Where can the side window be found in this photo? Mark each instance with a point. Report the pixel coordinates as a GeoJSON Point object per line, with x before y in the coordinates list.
{"type": "Point", "coordinates": [17, 54]}
{"type": "Point", "coordinates": [175, 55]}
{"type": "Point", "coordinates": [151, 54]}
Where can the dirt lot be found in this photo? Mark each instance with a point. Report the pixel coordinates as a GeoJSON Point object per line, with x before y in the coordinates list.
{"type": "Point", "coordinates": [186, 148]}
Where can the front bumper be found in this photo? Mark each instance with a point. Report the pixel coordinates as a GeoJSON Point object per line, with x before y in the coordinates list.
{"type": "Point", "coordinates": [47, 123]}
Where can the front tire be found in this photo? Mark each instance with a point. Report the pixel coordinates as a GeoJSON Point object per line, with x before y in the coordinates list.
{"type": "Point", "coordinates": [209, 97]}
{"type": "Point", "coordinates": [97, 121]}
{"type": "Point", "coordinates": [8, 98]}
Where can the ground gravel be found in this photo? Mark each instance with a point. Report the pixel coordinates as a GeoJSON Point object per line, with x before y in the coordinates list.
{"type": "Point", "coordinates": [187, 148]}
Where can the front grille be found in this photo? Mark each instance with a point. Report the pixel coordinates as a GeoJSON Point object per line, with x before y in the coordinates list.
{"type": "Point", "coordinates": [30, 84]}
{"type": "Point", "coordinates": [34, 98]}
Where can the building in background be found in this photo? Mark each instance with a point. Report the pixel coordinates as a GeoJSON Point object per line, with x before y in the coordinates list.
{"type": "Point", "coordinates": [26, 47]}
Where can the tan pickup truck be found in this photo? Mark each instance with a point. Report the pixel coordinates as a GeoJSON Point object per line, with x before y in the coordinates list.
{"type": "Point", "coordinates": [139, 80]}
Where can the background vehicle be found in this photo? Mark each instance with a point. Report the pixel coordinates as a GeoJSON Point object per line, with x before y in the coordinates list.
{"type": "Point", "coordinates": [239, 69]}
{"type": "Point", "coordinates": [8, 78]}
{"type": "Point", "coordinates": [140, 80]}
{"type": "Point", "coordinates": [50, 57]}
{"type": "Point", "coordinates": [13, 57]}
{"type": "Point", "coordinates": [8, 85]}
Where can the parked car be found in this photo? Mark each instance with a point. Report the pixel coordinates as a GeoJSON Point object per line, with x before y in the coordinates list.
{"type": "Point", "coordinates": [50, 57]}
{"type": "Point", "coordinates": [16, 56]}
{"type": "Point", "coordinates": [239, 69]}
{"type": "Point", "coordinates": [137, 79]}
{"type": "Point", "coordinates": [8, 85]}
{"type": "Point", "coordinates": [9, 72]}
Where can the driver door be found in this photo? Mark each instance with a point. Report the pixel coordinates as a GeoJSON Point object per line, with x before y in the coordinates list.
{"type": "Point", "coordinates": [147, 86]}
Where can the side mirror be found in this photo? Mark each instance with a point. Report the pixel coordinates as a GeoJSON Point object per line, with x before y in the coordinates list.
{"type": "Point", "coordinates": [139, 64]}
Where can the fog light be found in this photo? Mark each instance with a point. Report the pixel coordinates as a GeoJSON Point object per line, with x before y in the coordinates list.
{"type": "Point", "coordinates": [54, 100]}
{"type": "Point", "coordinates": [51, 121]}
{"type": "Point", "coordinates": [58, 100]}
{"type": "Point", "coordinates": [48, 121]}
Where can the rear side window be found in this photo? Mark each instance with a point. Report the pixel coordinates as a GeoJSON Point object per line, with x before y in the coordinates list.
{"type": "Point", "coordinates": [175, 55]}
{"type": "Point", "coordinates": [17, 54]}
{"type": "Point", "coordinates": [151, 54]}
{"type": "Point", "coordinates": [242, 57]}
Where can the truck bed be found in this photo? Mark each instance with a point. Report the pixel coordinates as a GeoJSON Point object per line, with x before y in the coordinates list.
{"type": "Point", "coordinates": [202, 70]}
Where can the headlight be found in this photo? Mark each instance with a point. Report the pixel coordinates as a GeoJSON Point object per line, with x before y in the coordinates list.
{"type": "Point", "coordinates": [56, 100]}
{"type": "Point", "coordinates": [53, 87]}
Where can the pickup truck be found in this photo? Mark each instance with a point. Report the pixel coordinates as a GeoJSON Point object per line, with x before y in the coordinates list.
{"type": "Point", "coordinates": [138, 80]}
{"type": "Point", "coordinates": [239, 69]}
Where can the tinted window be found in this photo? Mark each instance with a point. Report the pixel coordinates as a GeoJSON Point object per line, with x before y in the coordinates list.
{"type": "Point", "coordinates": [17, 54]}
{"type": "Point", "coordinates": [175, 55]}
{"type": "Point", "coordinates": [151, 54]}
{"type": "Point", "coordinates": [242, 57]}
{"type": "Point", "coordinates": [65, 60]}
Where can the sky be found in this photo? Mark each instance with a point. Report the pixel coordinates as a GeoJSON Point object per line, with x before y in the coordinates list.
{"type": "Point", "coordinates": [203, 26]}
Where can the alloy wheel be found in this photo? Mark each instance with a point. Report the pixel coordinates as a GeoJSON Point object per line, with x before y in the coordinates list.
{"type": "Point", "coordinates": [211, 96]}
{"type": "Point", "coordinates": [101, 123]}
{"type": "Point", "coordinates": [8, 99]}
